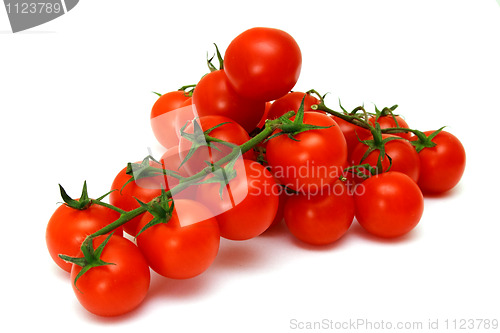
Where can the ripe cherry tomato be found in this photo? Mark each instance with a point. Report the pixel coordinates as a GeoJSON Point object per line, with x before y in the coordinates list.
{"type": "Point", "coordinates": [68, 227]}
{"type": "Point", "coordinates": [441, 166]}
{"type": "Point", "coordinates": [214, 96]}
{"type": "Point", "coordinates": [402, 153]}
{"type": "Point", "coordinates": [145, 189]}
{"type": "Point", "coordinates": [352, 134]}
{"type": "Point", "coordinates": [164, 116]}
{"type": "Point", "coordinates": [263, 63]}
{"type": "Point", "coordinates": [389, 122]}
{"type": "Point", "coordinates": [321, 218]}
{"type": "Point", "coordinates": [291, 102]}
{"type": "Point", "coordinates": [389, 205]}
{"type": "Point", "coordinates": [248, 203]}
{"type": "Point", "coordinates": [185, 246]}
{"type": "Point", "coordinates": [113, 290]}
{"type": "Point", "coordinates": [313, 160]}
{"type": "Point", "coordinates": [230, 131]}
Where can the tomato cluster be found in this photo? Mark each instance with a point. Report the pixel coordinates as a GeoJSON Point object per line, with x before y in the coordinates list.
{"type": "Point", "coordinates": [245, 152]}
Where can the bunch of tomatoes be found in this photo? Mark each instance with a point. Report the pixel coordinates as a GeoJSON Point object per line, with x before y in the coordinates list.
{"type": "Point", "coordinates": [245, 152]}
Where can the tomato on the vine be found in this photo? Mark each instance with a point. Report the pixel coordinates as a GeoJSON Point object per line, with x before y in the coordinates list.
{"type": "Point", "coordinates": [312, 159]}
{"type": "Point", "coordinates": [291, 102]}
{"type": "Point", "coordinates": [115, 289]}
{"type": "Point", "coordinates": [389, 121]}
{"type": "Point", "coordinates": [321, 218]}
{"type": "Point", "coordinates": [166, 117]}
{"type": "Point", "coordinates": [183, 247]}
{"type": "Point", "coordinates": [401, 156]}
{"type": "Point", "coordinates": [68, 227]}
{"type": "Point", "coordinates": [215, 96]}
{"type": "Point", "coordinates": [228, 130]}
{"type": "Point", "coordinates": [263, 63]}
{"type": "Point", "coordinates": [248, 203]}
{"type": "Point", "coordinates": [145, 189]}
{"type": "Point", "coordinates": [352, 134]}
{"type": "Point", "coordinates": [441, 166]}
{"type": "Point", "coordinates": [389, 204]}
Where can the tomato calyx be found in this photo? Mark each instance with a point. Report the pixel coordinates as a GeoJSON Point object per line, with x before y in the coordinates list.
{"type": "Point", "coordinates": [292, 128]}
{"type": "Point", "coordinates": [161, 209]}
{"type": "Point", "coordinates": [423, 141]}
{"type": "Point", "coordinates": [378, 143]}
{"type": "Point", "coordinates": [221, 175]}
{"type": "Point", "coordinates": [84, 201]}
{"type": "Point", "coordinates": [146, 170]}
{"type": "Point", "coordinates": [91, 258]}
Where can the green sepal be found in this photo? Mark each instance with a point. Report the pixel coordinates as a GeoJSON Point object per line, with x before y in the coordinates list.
{"type": "Point", "coordinates": [161, 209]}
{"type": "Point", "coordinates": [210, 65]}
{"type": "Point", "coordinates": [91, 258]}
{"type": "Point", "coordinates": [424, 141]}
{"type": "Point", "coordinates": [83, 203]}
{"type": "Point", "coordinates": [292, 128]}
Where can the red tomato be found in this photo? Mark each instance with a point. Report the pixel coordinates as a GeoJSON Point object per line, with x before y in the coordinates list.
{"type": "Point", "coordinates": [321, 218]}
{"type": "Point", "coordinates": [389, 204]}
{"type": "Point", "coordinates": [351, 133]}
{"type": "Point", "coordinates": [164, 115]}
{"type": "Point", "coordinates": [263, 63]}
{"type": "Point", "coordinates": [231, 132]}
{"type": "Point", "coordinates": [315, 160]}
{"type": "Point", "coordinates": [113, 290]}
{"type": "Point", "coordinates": [145, 189]}
{"type": "Point", "coordinates": [403, 155]}
{"type": "Point", "coordinates": [389, 122]}
{"type": "Point", "coordinates": [248, 204]}
{"type": "Point", "coordinates": [291, 102]}
{"type": "Point", "coordinates": [68, 227]}
{"type": "Point", "coordinates": [441, 166]}
{"type": "Point", "coordinates": [185, 246]}
{"type": "Point", "coordinates": [214, 96]}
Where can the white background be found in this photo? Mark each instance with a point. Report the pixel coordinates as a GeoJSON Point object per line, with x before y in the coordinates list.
{"type": "Point", "coordinates": [75, 97]}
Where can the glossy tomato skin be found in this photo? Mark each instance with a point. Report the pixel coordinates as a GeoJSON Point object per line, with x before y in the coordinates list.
{"type": "Point", "coordinates": [389, 205]}
{"type": "Point", "coordinates": [314, 161]}
{"type": "Point", "coordinates": [230, 131]}
{"type": "Point", "coordinates": [113, 290]}
{"type": "Point", "coordinates": [215, 96]}
{"type": "Point", "coordinates": [165, 128]}
{"type": "Point", "coordinates": [249, 202]}
{"type": "Point", "coordinates": [68, 227]}
{"type": "Point", "coordinates": [291, 102]}
{"type": "Point", "coordinates": [402, 153]}
{"type": "Point", "coordinates": [352, 134]}
{"type": "Point", "coordinates": [443, 165]}
{"type": "Point", "coordinates": [185, 246]}
{"type": "Point", "coordinates": [389, 122]}
{"type": "Point", "coordinates": [263, 63]}
{"type": "Point", "coordinates": [145, 189]}
{"type": "Point", "coordinates": [322, 218]}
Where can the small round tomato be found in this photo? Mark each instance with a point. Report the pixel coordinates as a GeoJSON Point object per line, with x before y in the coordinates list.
{"type": "Point", "coordinates": [313, 160]}
{"type": "Point", "coordinates": [291, 102]}
{"type": "Point", "coordinates": [163, 114]}
{"type": "Point", "coordinates": [390, 122]}
{"type": "Point", "coordinates": [230, 131]}
{"type": "Point", "coordinates": [68, 227]}
{"type": "Point", "coordinates": [321, 218]}
{"type": "Point", "coordinates": [389, 204]}
{"type": "Point", "coordinates": [145, 189]}
{"type": "Point", "coordinates": [403, 156]}
{"type": "Point", "coordinates": [215, 96]}
{"type": "Point", "coordinates": [113, 290]}
{"type": "Point", "coordinates": [441, 166]}
{"type": "Point", "coordinates": [248, 203]}
{"type": "Point", "coordinates": [352, 134]}
{"type": "Point", "coordinates": [183, 247]}
{"type": "Point", "coordinates": [263, 63]}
